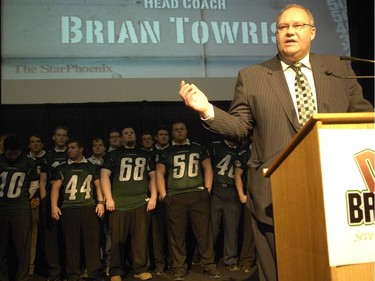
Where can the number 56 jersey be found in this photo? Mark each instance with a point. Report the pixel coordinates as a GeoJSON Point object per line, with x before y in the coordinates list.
{"type": "Point", "coordinates": [129, 176]}
{"type": "Point", "coordinates": [183, 165]}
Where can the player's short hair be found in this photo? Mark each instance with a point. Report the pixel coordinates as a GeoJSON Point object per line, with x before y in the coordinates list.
{"type": "Point", "coordinates": [97, 139]}
{"type": "Point", "coordinates": [146, 133]}
{"type": "Point", "coordinates": [61, 128]}
{"type": "Point", "coordinates": [78, 142]}
{"type": "Point", "coordinates": [36, 135]}
{"type": "Point", "coordinates": [161, 128]}
{"type": "Point", "coordinates": [12, 142]}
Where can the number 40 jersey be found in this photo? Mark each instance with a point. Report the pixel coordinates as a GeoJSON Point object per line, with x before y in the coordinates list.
{"type": "Point", "coordinates": [15, 178]}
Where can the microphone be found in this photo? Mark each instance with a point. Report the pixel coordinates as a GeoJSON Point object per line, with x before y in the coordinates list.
{"type": "Point", "coordinates": [356, 59]}
{"type": "Point", "coordinates": [330, 73]}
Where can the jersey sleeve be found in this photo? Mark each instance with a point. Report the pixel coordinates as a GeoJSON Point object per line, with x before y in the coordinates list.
{"type": "Point", "coordinates": [56, 173]}
{"type": "Point", "coordinates": [108, 161]}
{"type": "Point", "coordinates": [161, 156]}
{"type": "Point", "coordinates": [205, 153]}
{"type": "Point", "coordinates": [95, 171]}
{"type": "Point", "coordinates": [33, 172]}
{"type": "Point", "coordinates": [241, 160]}
{"type": "Point", "coordinates": [151, 163]}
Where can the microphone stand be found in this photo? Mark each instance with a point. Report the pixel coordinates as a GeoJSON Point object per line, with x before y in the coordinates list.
{"type": "Point", "coordinates": [353, 59]}
{"type": "Point", "coordinates": [356, 59]}
{"type": "Point", "coordinates": [330, 73]}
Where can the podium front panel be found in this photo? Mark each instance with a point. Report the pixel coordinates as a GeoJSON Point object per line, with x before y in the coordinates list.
{"type": "Point", "coordinates": [347, 163]}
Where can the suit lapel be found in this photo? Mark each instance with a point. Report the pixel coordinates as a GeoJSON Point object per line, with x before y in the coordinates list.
{"type": "Point", "coordinates": [277, 81]}
{"type": "Point", "coordinates": [320, 81]}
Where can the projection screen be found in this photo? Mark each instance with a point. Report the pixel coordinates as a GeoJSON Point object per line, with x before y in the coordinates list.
{"type": "Point", "coordinates": [74, 51]}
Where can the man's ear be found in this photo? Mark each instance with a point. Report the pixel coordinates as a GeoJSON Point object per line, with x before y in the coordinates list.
{"type": "Point", "coordinates": [313, 33]}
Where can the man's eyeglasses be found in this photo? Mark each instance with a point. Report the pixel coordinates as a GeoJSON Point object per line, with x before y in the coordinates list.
{"type": "Point", "coordinates": [297, 27]}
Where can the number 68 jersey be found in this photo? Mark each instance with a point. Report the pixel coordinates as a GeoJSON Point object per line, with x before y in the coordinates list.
{"type": "Point", "coordinates": [15, 178]}
{"type": "Point", "coordinates": [77, 183]}
{"type": "Point", "coordinates": [129, 176]}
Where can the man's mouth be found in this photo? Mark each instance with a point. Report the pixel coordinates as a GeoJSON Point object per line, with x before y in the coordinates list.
{"type": "Point", "coordinates": [290, 41]}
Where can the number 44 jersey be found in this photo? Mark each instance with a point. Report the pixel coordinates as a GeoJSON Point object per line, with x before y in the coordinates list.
{"type": "Point", "coordinates": [77, 183]}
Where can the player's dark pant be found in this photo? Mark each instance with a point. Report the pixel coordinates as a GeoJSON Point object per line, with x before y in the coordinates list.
{"type": "Point", "coordinates": [159, 237]}
{"type": "Point", "coordinates": [34, 237]}
{"type": "Point", "coordinates": [105, 241]}
{"type": "Point", "coordinates": [196, 207]}
{"type": "Point", "coordinates": [52, 240]}
{"type": "Point", "coordinates": [77, 223]}
{"type": "Point", "coordinates": [226, 209]}
{"type": "Point", "coordinates": [15, 228]}
{"type": "Point", "coordinates": [134, 224]}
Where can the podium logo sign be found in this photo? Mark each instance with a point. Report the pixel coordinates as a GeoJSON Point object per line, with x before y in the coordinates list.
{"type": "Point", "coordinates": [360, 204]}
{"type": "Point", "coordinates": [347, 165]}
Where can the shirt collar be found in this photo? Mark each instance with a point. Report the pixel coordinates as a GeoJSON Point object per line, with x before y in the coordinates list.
{"type": "Point", "coordinates": [305, 62]}
{"type": "Point", "coordinates": [187, 142]}
{"type": "Point", "coordinates": [161, 148]}
{"type": "Point", "coordinates": [40, 154]}
{"type": "Point", "coordinates": [84, 160]}
{"type": "Point", "coordinates": [229, 145]}
{"type": "Point", "coordinates": [129, 147]}
{"type": "Point", "coordinates": [96, 158]}
{"type": "Point", "coordinates": [60, 150]}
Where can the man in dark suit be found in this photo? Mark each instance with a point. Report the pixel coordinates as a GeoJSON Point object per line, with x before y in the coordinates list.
{"type": "Point", "coordinates": [264, 109]}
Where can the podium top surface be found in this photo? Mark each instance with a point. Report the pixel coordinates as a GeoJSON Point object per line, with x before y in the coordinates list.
{"type": "Point", "coordinates": [324, 118]}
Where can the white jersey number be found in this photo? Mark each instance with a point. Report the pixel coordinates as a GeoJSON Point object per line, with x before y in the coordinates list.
{"type": "Point", "coordinates": [15, 184]}
{"type": "Point", "coordinates": [179, 163]}
{"type": "Point", "coordinates": [128, 169]}
{"type": "Point", "coordinates": [223, 167]}
{"type": "Point", "coordinates": [71, 187]}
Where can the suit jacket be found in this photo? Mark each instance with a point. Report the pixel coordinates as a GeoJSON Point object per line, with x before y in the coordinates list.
{"type": "Point", "coordinates": [262, 110]}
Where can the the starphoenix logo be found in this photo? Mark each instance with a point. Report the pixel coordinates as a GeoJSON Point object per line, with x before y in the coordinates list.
{"type": "Point", "coordinates": [360, 203]}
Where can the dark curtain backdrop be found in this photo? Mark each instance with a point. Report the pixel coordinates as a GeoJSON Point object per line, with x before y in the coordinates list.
{"type": "Point", "coordinates": [90, 120]}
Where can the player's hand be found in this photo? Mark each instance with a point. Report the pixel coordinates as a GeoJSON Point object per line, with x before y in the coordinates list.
{"type": "Point", "coordinates": [243, 199]}
{"type": "Point", "coordinates": [195, 98]}
{"type": "Point", "coordinates": [151, 204]}
{"type": "Point", "coordinates": [56, 213]}
{"type": "Point", "coordinates": [99, 210]}
{"type": "Point", "coordinates": [34, 202]}
{"type": "Point", "coordinates": [110, 204]}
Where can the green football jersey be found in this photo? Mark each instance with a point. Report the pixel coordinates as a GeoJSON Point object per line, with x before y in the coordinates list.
{"type": "Point", "coordinates": [53, 158]}
{"type": "Point", "coordinates": [183, 165]}
{"type": "Point", "coordinates": [129, 176]}
{"type": "Point", "coordinates": [242, 159]}
{"type": "Point", "coordinates": [223, 161]}
{"type": "Point", "coordinates": [77, 187]}
{"type": "Point", "coordinates": [241, 162]}
{"type": "Point", "coordinates": [15, 178]}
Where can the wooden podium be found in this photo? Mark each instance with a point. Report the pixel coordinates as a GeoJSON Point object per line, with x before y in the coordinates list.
{"type": "Point", "coordinates": [300, 205]}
